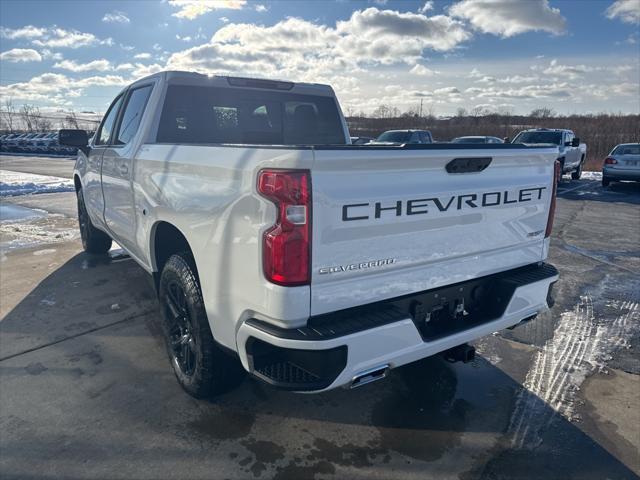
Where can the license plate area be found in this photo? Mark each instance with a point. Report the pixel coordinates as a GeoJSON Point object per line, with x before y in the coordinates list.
{"type": "Point", "coordinates": [445, 311]}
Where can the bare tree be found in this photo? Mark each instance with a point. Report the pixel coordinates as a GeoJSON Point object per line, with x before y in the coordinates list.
{"type": "Point", "coordinates": [544, 112]}
{"type": "Point", "coordinates": [71, 120]}
{"type": "Point", "coordinates": [31, 117]}
{"type": "Point", "coordinates": [8, 113]}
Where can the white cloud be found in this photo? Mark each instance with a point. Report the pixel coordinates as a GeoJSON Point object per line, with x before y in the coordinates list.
{"type": "Point", "coordinates": [302, 50]}
{"type": "Point", "coordinates": [389, 33]}
{"type": "Point", "coordinates": [101, 65]}
{"type": "Point", "coordinates": [191, 9]}
{"type": "Point", "coordinates": [144, 70]}
{"type": "Point", "coordinates": [116, 17]}
{"type": "Point", "coordinates": [142, 56]}
{"type": "Point", "coordinates": [423, 71]}
{"type": "Point", "coordinates": [28, 32]}
{"type": "Point", "coordinates": [49, 55]}
{"type": "Point", "coordinates": [61, 38]}
{"type": "Point", "coordinates": [507, 18]}
{"type": "Point", "coordinates": [447, 91]}
{"type": "Point", "coordinates": [426, 7]}
{"type": "Point", "coordinates": [20, 55]}
{"type": "Point", "coordinates": [125, 66]}
{"type": "Point", "coordinates": [570, 71]}
{"type": "Point", "coordinates": [555, 90]}
{"type": "Point", "coordinates": [260, 8]}
{"type": "Point", "coordinates": [475, 73]}
{"type": "Point", "coordinates": [184, 39]}
{"type": "Point", "coordinates": [518, 79]}
{"type": "Point", "coordinates": [224, 19]}
{"type": "Point", "coordinates": [626, 10]}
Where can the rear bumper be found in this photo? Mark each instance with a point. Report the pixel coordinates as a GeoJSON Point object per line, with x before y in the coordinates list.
{"type": "Point", "coordinates": [332, 352]}
{"type": "Point", "coordinates": [620, 174]}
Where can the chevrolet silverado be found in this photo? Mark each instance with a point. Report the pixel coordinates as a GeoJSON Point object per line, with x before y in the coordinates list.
{"type": "Point", "coordinates": [280, 249]}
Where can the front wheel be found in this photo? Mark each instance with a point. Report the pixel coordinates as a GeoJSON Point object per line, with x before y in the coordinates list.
{"type": "Point", "coordinates": [93, 240]}
{"type": "Point", "coordinates": [577, 173]}
{"type": "Point", "coordinates": [201, 367]}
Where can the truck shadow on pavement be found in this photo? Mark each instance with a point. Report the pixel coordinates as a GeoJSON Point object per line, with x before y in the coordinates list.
{"type": "Point", "coordinates": [87, 391]}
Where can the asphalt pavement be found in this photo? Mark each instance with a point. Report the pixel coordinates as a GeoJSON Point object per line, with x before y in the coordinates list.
{"type": "Point", "coordinates": [86, 390]}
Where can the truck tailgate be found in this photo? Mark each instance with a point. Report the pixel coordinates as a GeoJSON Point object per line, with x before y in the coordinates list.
{"type": "Point", "coordinates": [391, 221]}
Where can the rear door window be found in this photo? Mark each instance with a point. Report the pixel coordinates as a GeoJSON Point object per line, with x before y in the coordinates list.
{"type": "Point", "coordinates": [133, 110]}
{"type": "Point", "coordinates": [209, 115]}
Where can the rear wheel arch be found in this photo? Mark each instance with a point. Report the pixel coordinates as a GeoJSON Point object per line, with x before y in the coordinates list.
{"type": "Point", "coordinates": [166, 240]}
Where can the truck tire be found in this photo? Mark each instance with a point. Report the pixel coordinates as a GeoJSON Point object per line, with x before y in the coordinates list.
{"type": "Point", "coordinates": [577, 173]}
{"type": "Point", "coordinates": [202, 368]}
{"type": "Point", "coordinates": [94, 240]}
{"type": "Point", "coordinates": [605, 182]}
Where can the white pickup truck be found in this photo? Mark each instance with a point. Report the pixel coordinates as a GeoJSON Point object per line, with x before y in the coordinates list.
{"type": "Point", "coordinates": [571, 152]}
{"type": "Point", "coordinates": [280, 249]}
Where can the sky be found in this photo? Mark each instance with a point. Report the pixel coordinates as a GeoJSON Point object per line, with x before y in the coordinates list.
{"type": "Point", "coordinates": [574, 56]}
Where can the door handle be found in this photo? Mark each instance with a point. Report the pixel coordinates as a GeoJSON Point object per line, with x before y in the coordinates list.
{"type": "Point", "coordinates": [123, 169]}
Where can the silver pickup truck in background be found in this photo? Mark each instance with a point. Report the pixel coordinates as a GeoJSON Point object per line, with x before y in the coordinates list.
{"type": "Point", "coordinates": [280, 249]}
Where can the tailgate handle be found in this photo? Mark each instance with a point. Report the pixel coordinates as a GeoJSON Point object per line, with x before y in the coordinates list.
{"type": "Point", "coordinates": [468, 165]}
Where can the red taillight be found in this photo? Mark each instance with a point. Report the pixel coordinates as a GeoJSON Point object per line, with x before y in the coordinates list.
{"type": "Point", "coordinates": [552, 205]}
{"type": "Point", "coordinates": [286, 246]}
{"type": "Point", "coordinates": [610, 161]}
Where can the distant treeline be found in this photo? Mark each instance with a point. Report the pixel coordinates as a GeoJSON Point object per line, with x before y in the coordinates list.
{"type": "Point", "coordinates": [600, 132]}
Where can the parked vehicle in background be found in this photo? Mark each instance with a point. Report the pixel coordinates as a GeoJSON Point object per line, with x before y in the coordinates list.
{"type": "Point", "coordinates": [361, 140]}
{"type": "Point", "coordinates": [623, 163]}
{"type": "Point", "coordinates": [477, 139]}
{"type": "Point", "coordinates": [13, 143]}
{"type": "Point", "coordinates": [571, 153]}
{"type": "Point", "coordinates": [404, 137]}
{"type": "Point", "coordinates": [42, 143]}
{"type": "Point", "coordinates": [314, 263]}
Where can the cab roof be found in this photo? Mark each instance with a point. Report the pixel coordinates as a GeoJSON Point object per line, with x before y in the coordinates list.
{"type": "Point", "coordinates": [199, 79]}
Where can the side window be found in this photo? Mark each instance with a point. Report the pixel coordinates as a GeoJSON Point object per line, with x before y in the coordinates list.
{"type": "Point", "coordinates": [105, 130]}
{"type": "Point", "coordinates": [133, 110]}
{"type": "Point", "coordinates": [415, 138]}
{"type": "Point", "coordinates": [570, 137]}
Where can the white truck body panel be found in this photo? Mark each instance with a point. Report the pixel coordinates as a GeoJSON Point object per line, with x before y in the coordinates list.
{"type": "Point", "coordinates": [432, 248]}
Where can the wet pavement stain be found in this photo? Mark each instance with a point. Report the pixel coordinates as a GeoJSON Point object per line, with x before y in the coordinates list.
{"type": "Point", "coordinates": [299, 472]}
{"type": "Point", "coordinates": [224, 425]}
{"type": "Point", "coordinates": [266, 453]}
{"type": "Point", "coordinates": [348, 455]}
{"type": "Point", "coordinates": [423, 421]}
{"type": "Point", "coordinates": [35, 368]}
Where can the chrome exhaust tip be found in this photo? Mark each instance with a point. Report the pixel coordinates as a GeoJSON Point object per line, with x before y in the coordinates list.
{"type": "Point", "coordinates": [369, 376]}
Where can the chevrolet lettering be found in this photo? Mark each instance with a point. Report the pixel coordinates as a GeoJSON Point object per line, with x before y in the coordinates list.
{"type": "Point", "coordinates": [421, 206]}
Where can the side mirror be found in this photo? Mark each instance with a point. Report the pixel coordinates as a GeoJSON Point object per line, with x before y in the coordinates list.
{"type": "Point", "coordinates": [73, 138]}
{"type": "Point", "coordinates": [506, 140]}
{"type": "Point", "coordinates": [575, 142]}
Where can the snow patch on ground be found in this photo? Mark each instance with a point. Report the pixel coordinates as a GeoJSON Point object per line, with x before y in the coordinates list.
{"type": "Point", "coordinates": [581, 345]}
{"type": "Point", "coordinates": [52, 229]}
{"type": "Point", "coordinates": [591, 176]}
{"type": "Point", "coordinates": [18, 183]}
